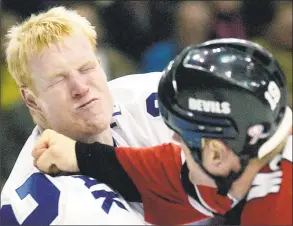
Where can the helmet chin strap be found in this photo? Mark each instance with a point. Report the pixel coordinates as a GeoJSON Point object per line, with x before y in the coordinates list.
{"type": "Point", "coordinates": [223, 183]}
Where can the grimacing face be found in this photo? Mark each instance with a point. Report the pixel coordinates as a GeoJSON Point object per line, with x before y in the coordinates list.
{"type": "Point", "coordinates": [72, 90]}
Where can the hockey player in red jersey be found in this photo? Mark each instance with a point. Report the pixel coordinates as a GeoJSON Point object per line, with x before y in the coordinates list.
{"type": "Point", "coordinates": [227, 102]}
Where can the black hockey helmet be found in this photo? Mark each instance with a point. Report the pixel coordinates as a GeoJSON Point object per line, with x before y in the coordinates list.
{"type": "Point", "coordinates": [228, 89]}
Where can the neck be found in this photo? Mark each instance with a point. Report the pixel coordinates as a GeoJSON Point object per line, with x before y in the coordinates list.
{"type": "Point", "coordinates": [242, 185]}
{"type": "Point", "coordinates": [238, 189]}
{"type": "Point", "coordinates": [198, 177]}
{"type": "Point", "coordinates": [104, 137]}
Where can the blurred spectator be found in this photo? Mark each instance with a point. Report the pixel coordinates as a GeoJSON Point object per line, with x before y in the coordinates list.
{"type": "Point", "coordinates": [24, 8]}
{"type": "Point", "coordinates": [192, 26]}
{"type": "Point", "coordinates": [128, 26]}
{"type": "Point", "coordinates": [135, 25]}
{"type": "Point", "coordinates": [114, 62]}
{"type": "Point", "coordinates": [278, 40]}
{"type": "Point", "coordinates": [15, 120]}
{"type": "Point", "coordinates": [193, 23]}
{"type": "Point", "coordinates": [10, 95]}
{"type": "Point", "coordinates": [227, 23]}
{"type": "Point", "coordinates": [162, 19]}
{"type": "Point", "coordinates": [257, 15]}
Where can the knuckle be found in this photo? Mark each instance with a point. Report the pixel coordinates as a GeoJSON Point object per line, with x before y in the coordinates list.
{"type": "Point", "coordinates": [54, 152]}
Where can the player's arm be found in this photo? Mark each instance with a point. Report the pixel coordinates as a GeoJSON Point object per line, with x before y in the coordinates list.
{"type": "Point", "coordinates": [125, 169]}
{"type": "Point", "coordinates": [155, 171]}
{"type": "Point", "coordinates": [131, 171]}
{"type": "Point", "coordinates": [101, 162]}
{"type": "Point", "coordinates": [55, 153]}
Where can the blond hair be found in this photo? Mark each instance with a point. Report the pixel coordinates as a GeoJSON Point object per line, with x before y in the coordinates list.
{"type": "Point", "coordinates": [38, 32]}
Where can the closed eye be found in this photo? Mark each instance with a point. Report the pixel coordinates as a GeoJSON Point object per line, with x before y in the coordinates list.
{"type": "Point", "coordinates": [87, 68]}
{"type": "Point", "coordinates": [56, 81]}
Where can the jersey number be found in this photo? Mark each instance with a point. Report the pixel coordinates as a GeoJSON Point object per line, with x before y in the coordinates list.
{"type": "Point", "coordinates": [46, 195]}
{"type": "Point", "coordinates": [273, 95]}
{"type": "Point", "coordinates": [152, 105]}
{"type": "Point", "coordinates": [109, 196]}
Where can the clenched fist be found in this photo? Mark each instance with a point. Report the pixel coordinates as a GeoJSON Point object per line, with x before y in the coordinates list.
{"type": "Point", "coordinates": [54, 153]}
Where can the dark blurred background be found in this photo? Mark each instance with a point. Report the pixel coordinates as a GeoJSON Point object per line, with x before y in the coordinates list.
{"type": "Point", "coordinates": [143, 36]}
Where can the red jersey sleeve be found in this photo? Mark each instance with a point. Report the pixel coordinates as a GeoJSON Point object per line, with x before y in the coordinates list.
{"type": "Point", "coordinates": [156, 173]}
{"type": "Point", "coordinates": [269, 202]}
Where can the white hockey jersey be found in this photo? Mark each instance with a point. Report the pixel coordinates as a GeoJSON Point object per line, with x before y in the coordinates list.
{"type": "Point", "coordinates": [32, 198]}
{"type": "Point", "coordinates": [137, 121]}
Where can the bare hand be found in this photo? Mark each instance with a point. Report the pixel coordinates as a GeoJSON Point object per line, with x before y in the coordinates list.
{"type": "Point", "coordinates": [54, 153]}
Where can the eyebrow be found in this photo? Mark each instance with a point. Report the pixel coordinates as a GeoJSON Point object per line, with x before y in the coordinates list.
{"type": "Point", "coordinates": [60, 72]}
{"type": "Point", "coordinates": [57, 73]}
{"type": "Point", "coordinates": [86, 63]}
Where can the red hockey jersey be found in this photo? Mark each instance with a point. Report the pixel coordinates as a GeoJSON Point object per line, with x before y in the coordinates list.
{"type": "Point", "coordinates": [156, 173]}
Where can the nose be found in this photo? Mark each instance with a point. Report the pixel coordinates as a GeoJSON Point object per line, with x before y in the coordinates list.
{"type": "Point", "coordinates": [79, 86]}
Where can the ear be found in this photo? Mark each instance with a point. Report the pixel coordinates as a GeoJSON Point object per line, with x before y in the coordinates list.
{"type": "Point", "coordinates": [98, 58]}
{"type": "Point", "coordinates": [176, 137]}
{"type": "Point", "coordinates": [214, 158]}
{"type": "Point", "coordinates": [29, 98]}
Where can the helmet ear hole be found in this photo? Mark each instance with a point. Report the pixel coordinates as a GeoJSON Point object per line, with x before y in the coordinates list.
{"type": "Point", "coordinates": [278, 76]}
{"type": "Point", "coordinates": [239, 48]}
{"type": "Point", "coordinates": [262, 58]}
{"type": "Point", "coordinates": [280, 115]}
